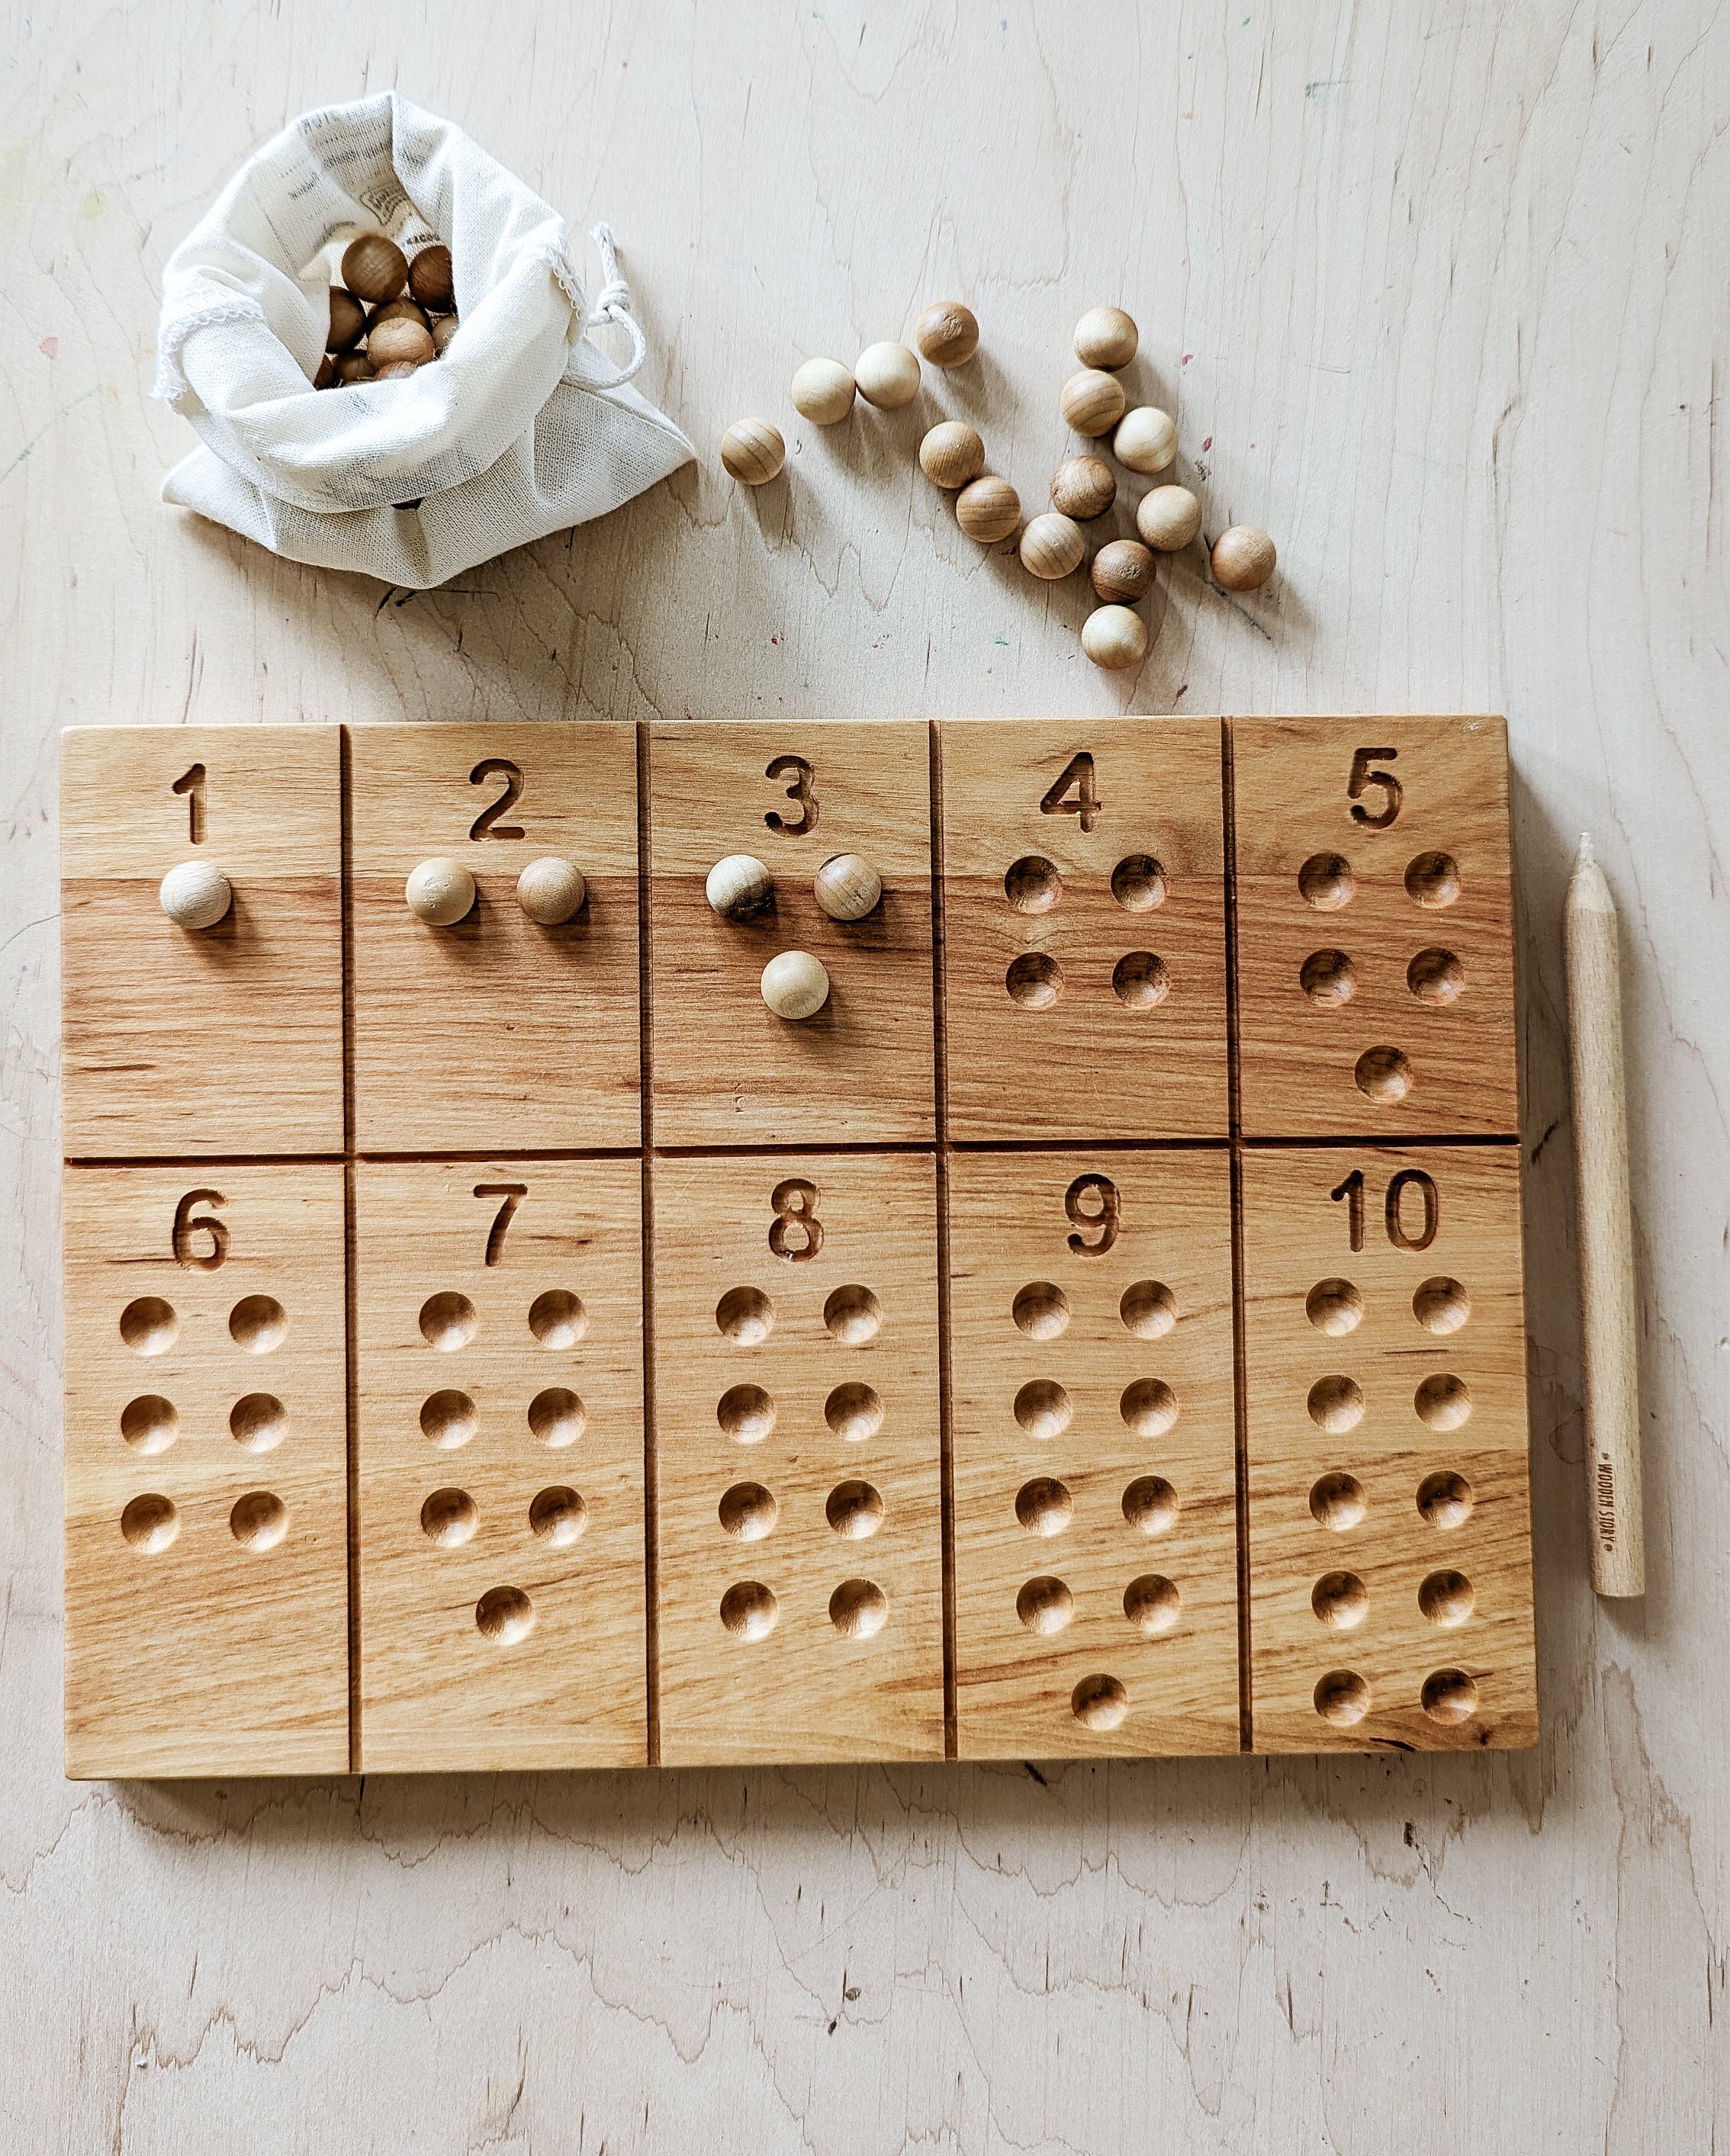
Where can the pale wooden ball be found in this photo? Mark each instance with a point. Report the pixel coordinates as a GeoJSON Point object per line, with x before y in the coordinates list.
{"type": "Point", "coordinates": [739, 886]}
{"type": "Point", "coordinates": [443, 330]}
{"type": "Point", "coordinates": [397, 370]}
{"type": "Point", "coordinates": [1113, 637]}
{"type": "Point", "coordinates": [196, 895]}
{"type": "Point", "coordinates": [395, 310]}
{"type": "Point", "coordinates": [348, 319]}
{"type": "Point", "coordinates": [822, 391]}
{"type": "Point", "coordinates": [1122, 572]}
{"type": "Point", "coordinates": [550, 889]}
{"type": "Point", "coordinates": [1145, 439]}
{"type": "Point", "coordinates": [952, 454]}
{"type": "Point", "coordinates": [752, 451]}
{"type": "Point", "coordinates": [389, 343]}
{"type": "Point", "coordinates": [887, 375]}
{"type": "Point", "coordinates": [1244, 558]}
{"type": "Point", "coordinates": [794, 985]}
{"type": "Point", "coordinates": [1105, 337]}
{"type": "Point", "coordinates": [1083, 487]}
{"type": "Point", "coordinates": [1051, 546]}
{"type": "Point", "coordinates": [354, 367]}
{"type": "Point", "coordinates": [429, 279]}
{"type": "Point", "coordinates": [1092, 402]}
{"type": "Point", "coordinates": [440, 892]}
{"type": "Point", "coordinates": [374, 267]}
{"type": "Point", "coordinates": [1168, 518]}
{"type": "Point", "coordinates": [847, 886]}
{"type": "Point", "coordinates": [948, 334]}
{"type": "Point", "coordinates": [988, 509]}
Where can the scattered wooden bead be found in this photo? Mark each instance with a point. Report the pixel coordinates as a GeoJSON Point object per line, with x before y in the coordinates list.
{"type": "Point", "coordinates": [1244, 558]}
{"type": "Point", "coordinates": [440, 892]}
{"type": "Point", "coordinates": [326, 378]}
{"type": "Point", "coordinates": [1105, 337]}
{"type": "Point", "coordinates": [952, 454]}
{"type": "Point", "coordinates": [1083, 487]}
{"type": "Point", "coordinates": [1051, 546]}
{"type": "Point", "coordinates": [1168, 518]}
{"type": "Point", "coordinates": [388, 342]}
{"type": "Point", "coordinates": [848, 887]}
{"type": "Point", "coordinates": [393, 310]}
{"type": "Point", "coordinates": [1122, 572]}
{"type": "Point", "coordinates": [887, 375]}
{"type": "Point", "coordinates": [1145, 439]}
{"type": "Point", "coordinates": [1114, 638]}
{"type": "Point", "coordinates": [399, 370]}
{"type": "Point", "coordinates": [822, 391]}
{"type": "Point", "coordinates": [739, 886]}
{"type": "Point", "coordinates": [988, 509]}
{"type": "Point", "coordinates": [355, 367]}
{"type": "Point", "coordinates": [550, 889]}
{"type": "Point", "coordinates": [1092, 402]}
{"type": "Point", "coordinates": [752, 451]}
{"type": "Point", "coordinates": [196, 895]}
{"type": "Point", "coordinates": [443, 330]}
{"type": "Point", "coordinates": [948, 334]}
{"type": "Point", "coordinates": [429, 279]}
{"type": "Point", "coordinates": [374, 267]}
{"type": "Point", "coordinates": [348, 320]}
{"type": "Point", "coordinates": [795, 985]}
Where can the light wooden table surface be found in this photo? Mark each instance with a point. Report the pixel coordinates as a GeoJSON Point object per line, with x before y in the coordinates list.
{"type": "Point", "coordinates": [1437, 295]}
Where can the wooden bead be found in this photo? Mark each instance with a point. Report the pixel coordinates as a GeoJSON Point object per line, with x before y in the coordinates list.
{"type": "Point", "coordinates": [794, 985]}
{"type": "Point", "coordinates": [550, 889]}
{"type": "Point", "coordinates": [1083, 487]}
{"type": "Point", "coordinates": [887, 375]}
{"type": "Point", "coordinates": [752, 451]}
{"type": "Point", "coordinates": [1244, 558]}
{"type": "Point", "coordinates": [848, 887]}
{"type": "Point", "coordinates": [1122, 572]}
{"type": "Point", "coordinates": [393, 310]}
{"type": "Point", "coordinates": [326, 378]}
{"type": "Point", "coordinates": [952, 454]}
{"type": "Point", "coordinates": [196, 895]}
{"type": "Point", "coordinates": [389, 342]}
{"type": "Point", "coordinates": [397, 369]}
{"type": "Point", "coordinates": [355, 367]}
{"type": "Point", "coordinates": [988, 509]}
{"type": "Point", "coordinates": [1168, 518]}
{"type": "Point", "coordinates": [440, 892]}
{"type": "Point", "coordinates": [822, 391]}
{"type": "Point", "coordinates": [429, 279]}
{"type": "Point", "coordinates": [1105, 337]}
{"type": "Point", "coordinates": [443, 330]}
{"type": "Point", "coordinates": [1092, 402]}
{"type": "Point", "coordinates": [948, 334]}
{"type": "Point", "coordinates": [739, 886]}
{"type": "Point", "coordinates": [1051, 546]}
{"type": "Point", "coordinates": [1145, 439]}
{"type": "Point", "coordinates": [1113, 637]}
{"type": "Point", "coordinates": [348, 320]}
{"type": "Point", "coordinates": [374, 267]}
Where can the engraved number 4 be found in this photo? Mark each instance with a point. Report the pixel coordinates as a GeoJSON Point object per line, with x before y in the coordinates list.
{"type": "Point", "coordinates": [1077, 772]}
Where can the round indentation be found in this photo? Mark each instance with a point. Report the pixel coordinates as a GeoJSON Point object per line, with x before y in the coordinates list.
{"type": "Point", "coordinates": [1326, 882]}
{"type": "Point", "coordinates": [1034, 980]}
{"type": "Point", "coordinates": [1334, 1306]}
{"type": "Point", "coordinates": [1150, 1505]}
{"type": "Point", "coordinates": [1450, 1696]}
{"type": "Point", "coordinates": [1340, 1600]}
{"type": "Point", "coordinates": [747, 1511]}
{"type": "Point", "coordinates": [856, 1509]}
{"type": "Point", "coordinates": [1336, 1404]}
{"type": "Point", "coordinates": [505, 1614]}
{"type": "Point", "coordinates": [748, 1609]}
{"type": "Point", "coordinates": [1148, 1308]}
{"type": "Point", "coordinates": [150, 1424]}
{"type": "Point", "coordinates": [1041, 1310]}
{"type": "Point", "coordinates": [1384, 1075]}
{"type": "Point", "coordinates": [858, 1609]}
{"type": "Point", "coordinates": [745, 1413]}
{"type": "Point", "coordinates": [557, 1516]}
{"type": "Point", "coordinates": [447, 1419]}
{"type": "Point", "coordinates": [1440, 1304]}
{"type": "Point", "coordinates": [1046, 1604]}
{"type": "Point", "coordinates": [1445, 1500]}
{"type": "Point", "coordinates": [557, 1318]}
{"type": "Point", "coordinates": [149, 1326]}
{"type": "Point", "coordinates": [259, 1422]}
{"type": "Point", "coordinates": [447, 1322]}
{"type": "Point", "coordinates": [854, 1413]}
{"type": "Point", "coordinates": [1032, 884]}
{"type": "Point", "coordinates": [1328, 977]}
{"type": "Point", "coordinates": [1139, 980]}
{"type": "Point", "coordinates": [258, 1521]}
{"type": "Point", "coordinates": [449, 1517]}
{"type": "Point", "coordinates": [1443, 1402]}
{"type": "Point", "coordinates": [853, 1314]}
{"type": "Point", "coordinates": [1343, 1698]}
{"type": "Point", "coordinates": [1433, 879]}
{"type": "Point", "coordinates": [1152, 1605]}
{"type": "Point", "coordinates": [1148, 1407]}
{"type": "Point", "coordinates": [1044, 1505]}
{"type": "Point", "coordinates": [1138, 883]}
{"type": "Point", "coordinates": [1042, 1409]}
{"type": "Point", "coordinates": [1336, 1501]}
{"type": "Point", "coordinates": [1435, 976]}
{"type": "Point", "coordinates": [745, 1315]}
{"type": "Point", "coordinates": [258, 1323]}
{"type": "Point", "coordinates": [1099, 1702]}
{"type": "Point", "coordinates": [557, 1417]}
{"type": "Point", "coordinates": [150, 1523]}
{"type": "Point", "coordinates": [1447, 1599]}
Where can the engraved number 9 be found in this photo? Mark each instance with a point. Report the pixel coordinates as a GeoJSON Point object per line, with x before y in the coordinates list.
{"type": "Point", "coordinates": [1102, 1213]}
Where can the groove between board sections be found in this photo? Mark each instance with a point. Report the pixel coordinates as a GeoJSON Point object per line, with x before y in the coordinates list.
{"type": "Point", "coordinates": [1239, 1343]}
{"type": "Point", "coordinates": [946, 1409]}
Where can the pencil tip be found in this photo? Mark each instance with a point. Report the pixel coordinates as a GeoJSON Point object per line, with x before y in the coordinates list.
{"type": "Point", "coordinates": [1584, 859]}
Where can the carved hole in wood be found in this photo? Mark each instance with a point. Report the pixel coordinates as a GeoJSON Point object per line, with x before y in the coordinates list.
{"type": "Point", "coordinates": [1149, 1309]}
{"type": "Point", "coordinates": [1343, 1698]}
{"type": "Point", "coordinates": [1152, 1603]}
{"type": "Point", "coordinates": [149, 1326]}
{"type": "Point", "coordinates": [859, 1609]}
{"type": "Point", "coordinates": [1148, 1407]}
{"type": "Point", "coordinates": [1440, 1304]}
{"type": "Point", "coordinates": [1138, 883]}
{"type": "Point", "coordinates": [1140, 979]}
{"type": "Point", "coordinates": [1034, 980]}
{"type": "Point", "coordinates": [258, 1423]}
{"type": "Point", "coordinates": [1336, 1501]}
{"type": "Point", "coordinates": [1433, 880]}
{"type": "Point", "coordinates": [853, 1314]}
{"type": "Point", "coordinates": [1328, 977]}
{"type": "Point", "coordinates": [746, 1315]}
{"type": "Point", "coordinates": [1443, 1402]}
{"type": "Point", "coordinates": [1044, 1505]}
{"type": "Point", "coordinates": [449, 1517]}
{"type": "Point", "coordinates": [1042, 1408]}
{"type": "Point", "coordinates": [1041, 1310]}
{"type": "Point", "coordinates": [150, 1424]}
{"type": "Point", "coordinates": [557, 1417]}
{"type": "Point", "coordinates": [259, 1520]}
{"type": "Point", "coordinates": [855, 1510]}
{"type": "Point", "coordinates": [1326, 882]}
{"type": "Point", "coordinates": [447, 1419]}
{"type": "Point", "coordinates": [1336, 1404]}
{"type": "Point", "coordinates": [150, 1523]}
{"type": "Point", "coordinates": [447, 1322]}
{"type": "Point", "coordinates": [1044, 1606]}
{"type": "Point", "coordinates": [557, 1318]}
{"type": "Point", "coordinates": [505, 1614]}
{"type": "Point", "coordinates": [1334, 1306]}
{"type": "Point", "coordinates": [1150, 1505]}
{"type": "Point", "coordinates": [1032, 884]}
{"type": "Point", "coordinates": [1445, 1499]}
{"type": "Point", "coordinates": [745, 1413]}
{"type": "Point", "coordinates": [1436, 975]}
{"type": "Point", "coordinates": [1450, 1696]}
{"type": "Point", "coordinates": [557, 1516]}
{"type": "Point", "coordinates": [1383, 1074]}
{"type": "Point", "coordinates": [1340, 1600]}
{"type": "Point", "coordinates": [1099, 1702]}
{"type": "Point", "coordinates": [747, 1511]}
{"type": "Point", "coordinates": [854, 1413]}
{"type": "Point", "coordinates": [748, 1610]}
{"type": "Point", "coordinates": [1447, 1597]}
{"type": "Point", "coordinates": [258, 1323]}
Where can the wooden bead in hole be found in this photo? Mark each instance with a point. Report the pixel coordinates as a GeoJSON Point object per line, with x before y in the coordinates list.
{"type": "Point", "coordinates": [1083, 487]}
{"type": "Point", "coordinates": [196, 895]}
{"type": "Point", "coordinates": [739, 886]}
{"type": "Point", "coordinates": [752, 451]}
{"type": "Point", "coordinates": [1105, 337]}
{"type": "Point", "coordinates": [822, 391]}
{"type": "Point", "coordinates": [440, 892]}
{"type": "Point", "coordinates": [348, 319]}
{"type": "Point", "coordinates": [795, 985]}
{"type": "Point", "coordinates": [1052, 546]}
{"type": "Point", "coordinates": [1113, 637]}
{"type": "Point", "coordinates": [887, 376]}
{"type": "Point", "coordinates": [952, 454]}
{"type": "Point", "coordinates": [848, 887]}
{"type": "Point", "coordinates": [389, 342]}
{"type": "Point", "coordinates": [948, 334]}
{"type": "Point", "coordinates": [374, 267]}
{"type": "Point", "coordinates": [1145, 439]}
{"type": "Point", "coordinates": [1168, 518]}
{"type": "Point", "coordinates": [429, 279]}
{"type": "Point", "coordinates": [1092, 402]}
{"type": "Point", "coordinates": [1122, 572]}
{"type": "Point", "coordinates": [550, 889]}
{"type": "Point", "coordinates": [988, 510]}
{"type": "Point", "coordinates": [443, 330]}
{"type": "Point", "coordinates": [1244, 558]}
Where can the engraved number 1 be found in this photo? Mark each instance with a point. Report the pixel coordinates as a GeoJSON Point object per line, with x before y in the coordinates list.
{"type": "Point", "coordinates": [191, 783]}
{"type": "Point", "coordinates": [1351, 1190]}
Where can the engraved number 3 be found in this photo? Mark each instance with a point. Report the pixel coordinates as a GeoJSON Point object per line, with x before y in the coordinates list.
{"type": "Point", "coordinates": [794, 1205]}
{"type": "Point", "coordinates": [800, 773]}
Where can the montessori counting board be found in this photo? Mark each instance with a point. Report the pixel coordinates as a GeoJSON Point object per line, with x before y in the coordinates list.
{"type": "Point", "coordinates": [1096, 1329]}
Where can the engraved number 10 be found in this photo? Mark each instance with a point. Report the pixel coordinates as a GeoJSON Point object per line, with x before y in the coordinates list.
{"type": "Point", "coordinates": [1351, 1192]}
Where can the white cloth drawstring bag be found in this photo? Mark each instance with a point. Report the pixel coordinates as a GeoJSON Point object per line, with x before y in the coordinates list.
{"type": "Point", "coordinates": [522, 428]}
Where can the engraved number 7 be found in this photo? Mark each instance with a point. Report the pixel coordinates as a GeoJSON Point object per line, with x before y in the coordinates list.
{"type": "Point", "coordinates": [513, 1195]}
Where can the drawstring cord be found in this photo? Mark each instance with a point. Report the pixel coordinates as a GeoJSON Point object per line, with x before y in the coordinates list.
{"type": "Point", "coordinates": [613, 304]}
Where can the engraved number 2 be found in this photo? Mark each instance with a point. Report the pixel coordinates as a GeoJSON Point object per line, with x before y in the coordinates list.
{"type": "Point", "coordinates": [191, 1229]}
{"type": "Point", "coordinates": [794, 1205]}
{"type": "Point", "coordinates": [1365, 780]}
{"type": "Point", "coordinates": [486, 824]}
{"type": "Point", "coordinates": [1104, 1214]}
{"type": "Point", "coordinates": [799, 773]}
